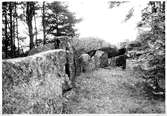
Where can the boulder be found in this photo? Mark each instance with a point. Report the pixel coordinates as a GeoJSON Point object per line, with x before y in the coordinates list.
{"type": "Point", "coordinates": [84, 62]}
{"type": "Point", "coordinates": [35, 84]}
{"type": "Point", "coordinates": [96, 58]}
{"type": "Point", "coordinates": [77, 61]}
{"type": "Point", "coordinates": [61, 42]}
{"type": "Point", "coordinates": [112, 62]}
{"type": "Point", "coordinates": [101, 59]}
{"type": "Point", "coordinates": [91, 65]}
{"type": "Point", "coordinates": [104, 60]}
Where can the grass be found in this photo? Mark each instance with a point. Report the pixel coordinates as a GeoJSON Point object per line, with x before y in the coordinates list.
{"type": "Point", "coordinates": [112, 90]}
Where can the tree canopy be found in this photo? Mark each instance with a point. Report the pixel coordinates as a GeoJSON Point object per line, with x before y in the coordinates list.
{"type": "Point", "coordinates": [55, 18]}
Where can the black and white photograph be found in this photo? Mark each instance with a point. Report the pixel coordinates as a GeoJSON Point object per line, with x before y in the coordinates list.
{"type": "Point", "coordinates": [83, 57]}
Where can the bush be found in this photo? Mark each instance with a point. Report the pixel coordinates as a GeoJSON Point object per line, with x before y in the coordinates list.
{"type": "Point", "coordinates": [153, 43]}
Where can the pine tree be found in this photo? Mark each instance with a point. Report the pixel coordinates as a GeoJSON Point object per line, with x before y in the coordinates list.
{"type": "Point", "coordinates": [59, 21]}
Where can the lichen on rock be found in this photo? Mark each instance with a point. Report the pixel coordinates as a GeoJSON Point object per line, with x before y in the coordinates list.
{"type": "Point", "coordinates": [34, 84]}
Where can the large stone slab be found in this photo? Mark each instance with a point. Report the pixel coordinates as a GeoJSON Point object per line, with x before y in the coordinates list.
{"type": "Point", "coordinates": [61, 42]}
{"type": "Point", "coordinates": [34, 84]}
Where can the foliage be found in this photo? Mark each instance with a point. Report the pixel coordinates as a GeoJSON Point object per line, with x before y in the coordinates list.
{"type": "Point", "coordinates": [59, 21]}
{"type": "Point", "coordinates": [30, 12]}
{"type": "Point", "coordinates": [153, 42]}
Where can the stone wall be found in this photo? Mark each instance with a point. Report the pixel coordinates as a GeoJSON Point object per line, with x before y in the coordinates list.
{"type": "Point", "coordinates": [35, 84]}
{"type": "Point", "coordinates": [64, 43]}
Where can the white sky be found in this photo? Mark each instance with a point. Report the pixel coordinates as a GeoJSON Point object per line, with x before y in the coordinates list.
{"type": "Point", "coordinates": [100, 21]}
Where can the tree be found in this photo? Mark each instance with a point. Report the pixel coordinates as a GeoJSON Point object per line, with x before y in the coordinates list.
{"type": "Point", "coordinates": [44, 23]}
{"type": "Point", "coordinates": [5, 40]}
{"type": "Point", "coordinates": [10, 29]}
{"type": "Point", "coordinates": [59, 21]}
{"type": "Point", "coordinates": [30, 12]}
{"type": "Point", "coordinates": [36, 32]}
{"type": "Point", "coordinates": [12, 39]}
{"type": "Point", "coordinates": [56, 21]}
{"type": "Point", "coordinates": [153, 42]}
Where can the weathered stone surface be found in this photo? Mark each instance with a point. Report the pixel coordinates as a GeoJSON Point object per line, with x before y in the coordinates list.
{"type": "Point", "coordinates": [112, 62]}
{"type": "Point", "coordinates": [34, 84]}
{"type": "Point", "coordinates": [77, 61]}
{"type": "Point", "coordinates": [101, 59]}
{"type": "Point", "coordinates": [97, 58]}
{"type": "Point", "coordinates": [91, 65]}
{"type": "Point", "coordinates": [70, 65]}
{"type": "Point", "coordinates": [118, 61]}
{"type": "Point", "coordinates": [104, 60]}
{"type": "Point", "coordinates": [84, 62]}
{"type": "Point", "coordinates": [64, 43]}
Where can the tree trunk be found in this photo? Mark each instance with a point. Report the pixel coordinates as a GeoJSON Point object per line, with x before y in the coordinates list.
{"type": "Point", "coordinates": [11, 29]}
{"type": "Point", "coordinates": [36, 31]}
{"type": "Point", "coordinates": [6, 33]}
{"type": "Point", "coordinates": [14, 32]}
{"type": "Point", "coordinates": [43, 23]}
{"type": "Point", "coordinates": [30, 11]}
{"type": "Point", "coordinates": [17, 31]}
{"type": "Point", "coordinates": [31, 35]}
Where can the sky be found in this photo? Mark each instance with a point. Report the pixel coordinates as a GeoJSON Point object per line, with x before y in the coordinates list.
{"type": "Point", "coordinates": [98, 20]}
{"type": "Point", "coordinates": [107, 23]}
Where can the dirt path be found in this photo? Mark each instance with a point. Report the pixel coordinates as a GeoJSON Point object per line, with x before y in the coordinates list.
{"type": "Point", "coordinates": [111, 90]}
